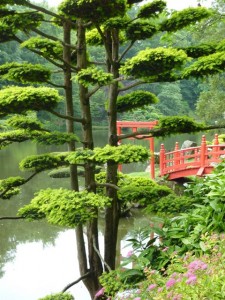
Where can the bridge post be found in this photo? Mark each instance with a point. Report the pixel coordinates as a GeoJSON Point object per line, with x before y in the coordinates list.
{"type": "Point", "coordinates": [162, 160]}
{"type": "Point", "coordinates": [176, 155]}
{"type": "Point", "coordinates": [203, 152]}
{"type": "Point", "coordinates": [119, 132]}
{"type": "Point", "coordinates": [216, 148]}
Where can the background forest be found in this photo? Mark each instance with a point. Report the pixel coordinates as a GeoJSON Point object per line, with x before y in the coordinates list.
{"type": "Point", "coordinates": [202, 99]}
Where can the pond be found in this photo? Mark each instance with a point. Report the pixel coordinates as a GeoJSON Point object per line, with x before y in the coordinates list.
{"type": "Point", "coordinates": [36, 258]}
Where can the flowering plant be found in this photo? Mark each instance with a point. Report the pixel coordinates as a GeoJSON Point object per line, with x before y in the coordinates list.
{"type": "Point", "coordinates": [188, 277]}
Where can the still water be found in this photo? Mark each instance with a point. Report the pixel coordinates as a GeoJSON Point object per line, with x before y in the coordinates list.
{"type": "Point", "coordinates": [36, 258]}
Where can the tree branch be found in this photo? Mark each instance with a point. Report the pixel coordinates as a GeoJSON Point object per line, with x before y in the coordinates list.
{"type": "Point", "coordinates": [11, 218]}
{"type": "Point", "coordinates": [132, 85]}
{"type": "Point", "coordinates": [75, 282]}
{"type": "Point", "coordinates": [160, 132]}
{"type": "Point", "coordinates": [46, 11]}
{"type": "Point", "coordinates": [79, 120]}
{"type": "Point", "coordinates": [51, 37]}
{"type": "Point", "coordinates": [125, 51]}
{"type": "Point", "coordinates": [93, 91]}
{"type": "Point", "coordinates": [40, 53]}
{"type": "Point", "coordinates": [105, 43]}
{"type": "Point", "coordinates": [100, 256]}
{"type": "Point", "coordinates": [55, 85]}
{"type": "Point", "coordinates": [28, 179]}
{"type": "Point", "coordinates": [108, 185]}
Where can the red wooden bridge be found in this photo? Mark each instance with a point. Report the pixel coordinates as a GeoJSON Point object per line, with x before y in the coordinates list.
{"type": "Point", "coordinates": [197, 161]}
{"type": "Point", "coordinates": [179, 163]}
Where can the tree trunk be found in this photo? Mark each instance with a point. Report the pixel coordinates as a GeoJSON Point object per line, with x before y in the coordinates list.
{"type": "Point", "coordinates": [113, 212]}
{"type": "Point", "coordinates": [69, 99]}
{"type": "Point", "coordinates": [95, 265]}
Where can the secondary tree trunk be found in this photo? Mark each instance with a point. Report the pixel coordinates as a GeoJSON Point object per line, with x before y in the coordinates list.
{"type": "Point", "coordinates": [69, 99]}
{"type": "Point", "coordinates": [95, 265]}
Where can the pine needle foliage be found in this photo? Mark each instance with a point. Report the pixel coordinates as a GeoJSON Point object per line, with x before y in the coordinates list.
{"type": "Point", "coordinates": [122, 154]}
{"type": "Point", "coordinates": [152, 62]}
{"type": "Point", "coordinates": [151, 9]}
{"type": "Point", "coordinates": [134, 100]}
{"type": "Point", "coordinates": [64, 207]}
{"type": "Point", "coordinates": [204, 66]}
{"type": "Point", "coordinates": [48, 48]}
{"type": "Point", "coordinates": [24, 122]}
{"type": "Point", "coordinates": [38, 163]}
{"type": "Point", "coordinates": [176, 124]}
{"type": "Point", "coordinates": [25, 73]}
{"type": "Point", "coordinates": [17, 99]}
{"type": "Point", "coordinates": [93, 76]}
{"type": "Point", "coordinates": [140, 30]}
{"type": "Point", "coordinates": [95, 10]}
{"type": "Point", "coordinates": [185, 17]}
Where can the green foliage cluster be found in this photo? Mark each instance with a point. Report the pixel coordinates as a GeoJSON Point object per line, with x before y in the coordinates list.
{"type": "Point", "coordinates": [95, 10]}
{"type": "Point", "coordinates": [7, 34]}
{"type": "Point", "coordinates": [8, 137]}
{"type": "Point", "coordinates": [48, 48]}
{"type": "Point", "coordinates": [24, 122]}
{"type": "Point", "coordinates": [117, 22]}
{"type": "Point", "coordinates": [80, 156]}
{"type": "Point", "coordinates": [17, 99]}
{"type": "Point", "coordinates": [209, 65]}
{"type": "Point", "coordinates": [25, 73]}
{"type": "Point", "coordinates": [143, 194]}
{"type": "Point", "coordinates": [43, 162]}
{"type": "Point", "coordinates": [185, 17]}
{"type": "Point", "coordinates": [176, 124]}
{"type": "Point", "coordinates": [25, 22]}
{"type": "Point", "coordinates": [151, 9]}
{"type": "Point", "coordinates": [134, 100]}
{"type": "Point", "coordinates": [140, 190]}
{"type": "Point", "coordinates": [122, 154]}
{"type": "Point", "coordinates": [93, 76]}
{"type": "Point", "coordinates": [64, 207]}
{"type": "Point", "coordinates": [140, 30]}
{"type": "Point", "coordinates": [58, 296]}
{"type": "Point", "coordinates": [11, 182]}
{"type": "Point", "coordinates": [40, 137]}
{"type": "Point", "coordinates": [93, 38]}
{"type": "Point", "coordinates": [112, 282]}
{"type": "Point", "coordinates": [5, 12]}
{"type": "Point", "coordinates": [55, 138]}
{"type": "Point", "coordinates": [170, 204]}
{"type": "Point", "coordinates": [152, 62]}
{"type": "Point", "coordinates": [9, 186]}
{"type": "Point", "coordinates": [200, 50]}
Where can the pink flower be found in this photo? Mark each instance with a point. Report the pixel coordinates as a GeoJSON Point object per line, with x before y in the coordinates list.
{"type": "Point", "coordinates": [152, 286]}
{"type": "Point", "coordinates": [160, 289]}
{"type": "Point", "coordinates": [137, 298]}
{"type": "Point", "coordinates": [100, 292]}
{"type": "Point", "coordinates": [177, 297]}
{"type": "Point", "coordinates": [191, 280]}
{"type": "Point", "coordinates": [197, 264]}
{"type": "Point", "coordinates": [165, 249]}
{"type": "Point", "coordinates": [129, 253]}
{"type": "Point", "coordinates": [170, 282]}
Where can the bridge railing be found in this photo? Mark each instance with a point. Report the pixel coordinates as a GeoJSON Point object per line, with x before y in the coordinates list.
{"type": "Point", "coordinates": [193, 158]}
